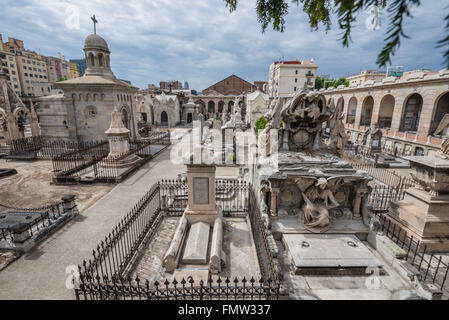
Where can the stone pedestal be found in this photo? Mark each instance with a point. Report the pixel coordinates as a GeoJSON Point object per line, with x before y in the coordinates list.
{"type": "Point", "coordinates": [424, 212]}
{"type": "Point", "coordinates": [425, 217]}
{"type": "Point", "coordinates": [201, 205]}
{"type": "Point", "coordinates": [118, 137]}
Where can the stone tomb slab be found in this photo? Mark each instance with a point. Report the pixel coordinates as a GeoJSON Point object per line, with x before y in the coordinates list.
{"type": "Point", "coordinates": [195, 251]}
{"type": "Point", "coordinates": [328, 254]}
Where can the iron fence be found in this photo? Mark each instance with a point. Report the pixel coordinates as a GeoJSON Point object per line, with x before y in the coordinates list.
{"type": "Point", "coordinates": [43, 147]}
{"type": "Point", "coordinates": [265, 258]}
{"type": "Point", "coordinates": [106, 274]}
{"type": "Point", "coordinates": [388, 177]}
{"type": "Point", "coordinates": [231, 196]}
{"type": "Point", "coordinates": [381, 196]}
{"type": "Point", "coordinates": [40, 219]}
{"type": "Point", "coordinates": [431, 266]}
{"type": "Point", "coordinates": [93, 164]}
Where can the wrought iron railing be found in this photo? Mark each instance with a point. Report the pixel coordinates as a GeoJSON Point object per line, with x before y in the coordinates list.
{"type": "Point", "coordinates": [106, 274]}
{"type": "Point", "coordinates": [41, 219]}
{"type": "Point", "coordinates": [381, 196]}
{"type": "Point", "coordinates": [431, 266]}
{"type": "Point", "coordinates": [43, 147]}
{"type": "Point", "coordinates": [388, 177]}
{"type": "Point", "coordinates": [92, 164]}
{"type": "Point", "coordinates": [231, 196]}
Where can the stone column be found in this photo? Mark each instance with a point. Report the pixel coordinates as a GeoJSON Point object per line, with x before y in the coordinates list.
{"type": "Point", "coordinates": [360, 193]}
{"type": "Point", "coordinates": [34, 123]}
{"type": "Point", "coordinates": [273, 206]}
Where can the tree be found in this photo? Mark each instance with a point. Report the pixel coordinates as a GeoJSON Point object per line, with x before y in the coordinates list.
{"type": "Point", "coordinates": [326, 83]}
{"type": "Point", "coordinates": [260, 124]}
{"type": "Point", "coordinates": [319, 12]}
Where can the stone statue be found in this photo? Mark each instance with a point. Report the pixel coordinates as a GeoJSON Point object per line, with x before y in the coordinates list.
{"type": "Point", "coordinates": [338, 137]}
{"type": "Point", "coordinates": [303, 116]}
{"type": "Point", "coordinates": [318, 194]}
{"type": "Point", "coordinates": [273, 122]}
{"type": "Point", "coordinates": [444, 150]}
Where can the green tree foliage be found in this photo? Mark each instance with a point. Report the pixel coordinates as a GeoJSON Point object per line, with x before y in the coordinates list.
{"type": "Point", "coordinates": [260, 124]}
{"type": "Point", "coordinates": [326, 83]}
{"type": "Point", "coordinates": [319, 12]}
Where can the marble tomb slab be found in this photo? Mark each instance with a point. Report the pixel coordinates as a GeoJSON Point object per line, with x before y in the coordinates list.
{"type": "Point", "coordinates": [328, 254]}
{"type": "Point", "coordinates": [195, 251]}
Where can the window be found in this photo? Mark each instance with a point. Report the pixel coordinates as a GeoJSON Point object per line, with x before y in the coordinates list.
{"type": "Point", "coordinates": [10, 58]}
{"type": "Point", "coordinates": [45, 77]}
{"type": "Point", "coordinates": [39, 70]}
{"type": "Point", "coordinates": [34, 69]}
{"type": "Point", "coordinates": [16, 86]}
{"type": "Point", "coordinates": [27, 81]}
{"type": "Point", "coordinates": [296, 71]}
{"type": "Point", "coordinates": [13, 72]}
{"type": "Point", "coordinates": [38, 63]}
{"type": "Point", "coordinates": [294, 89]}
{"type": "Point", "coordinates": [11, 65]}
{"type": "Point", "coordinates": [26, 74]}
{"type": "Point", "coordinates": [40, 76]}
{"type": "Point", "coordinates": [296, 80]}
{"type": "Point", "coordinates": [23, 60]}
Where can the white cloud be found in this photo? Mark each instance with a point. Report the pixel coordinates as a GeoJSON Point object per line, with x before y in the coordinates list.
{"type": "Point", "coordinates": [201, 42]}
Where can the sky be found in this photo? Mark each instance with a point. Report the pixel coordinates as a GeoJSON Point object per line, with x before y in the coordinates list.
{"type": "Point", "coordinates": [199, 41]}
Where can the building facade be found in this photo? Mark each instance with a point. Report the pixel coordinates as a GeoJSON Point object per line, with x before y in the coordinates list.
{"type": "Point", "coordinates": [83, 110]}
{"type": "Point", "coordinates": [408, 110]}
{"type": "Point", "coordinates": [170, 85]}
{"type": "Point", "coordinates": [288, 77]}
{"type": "Point", "coordinates": [9, 66]}
{"type": "Point", "coordinates": [58, 68]}
{"type": "Point", "coordinates": [73, 70]}
{"type": "Point", "coordinates": [232, 85]}
{"type": "Point", "coordinates": [81, 66]}
{"type": "Point", "coordinates": [364, 76]}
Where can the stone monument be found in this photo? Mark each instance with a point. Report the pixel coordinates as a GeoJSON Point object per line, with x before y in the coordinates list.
{"type": "Point", "coordinates": [315, 202]}
{"type": "Point", "coordinates": [118, 137]}
{"type": "Point", "coordinates": [372, 140]}
{"type": "Point", "coordinates": [308, 180]}
{"type": "Point", "coordinates": [197, 243]}
{"type": "Point", "coordinates": [424, 212]}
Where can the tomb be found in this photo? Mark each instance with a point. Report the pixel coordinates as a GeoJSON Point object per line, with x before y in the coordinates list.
{"type": "Point", "coordinates": [424, 212]}
{"type": "Point", "coordinates": [305, 189]}
{"type": "Point", "coordinates": [196, 248]}
{"type": "Point", "coordinates": [328, 254]}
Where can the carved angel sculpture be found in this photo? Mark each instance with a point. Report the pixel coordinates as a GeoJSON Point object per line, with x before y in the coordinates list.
{"type": "Point", "coordinates": [318, 194]}
{"type": "Point", "coordinates": [338, 137]}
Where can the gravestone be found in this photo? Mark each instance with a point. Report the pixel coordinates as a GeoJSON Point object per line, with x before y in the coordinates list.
{"type": "Point", "coordinates": [328, 254]}
{"type": "Point", "coordinates": [201, 205]}
{"type": "Point", "coordinates": [195, 251]}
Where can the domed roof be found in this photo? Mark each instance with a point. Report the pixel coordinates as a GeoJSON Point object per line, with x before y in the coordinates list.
{"type": "Point", "coordinates": [94, 41]}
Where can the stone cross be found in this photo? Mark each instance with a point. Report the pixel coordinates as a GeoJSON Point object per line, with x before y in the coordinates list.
{"type": "Point", "coordinates": [95, 22]}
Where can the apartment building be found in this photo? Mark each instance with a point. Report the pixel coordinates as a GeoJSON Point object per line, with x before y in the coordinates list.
{"type": "Point", "coordinates": [288, 77]}
{"type": "Point", "coordinates": [367, 75]}
{"type": "Point", "coordinates": [9, 66]}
